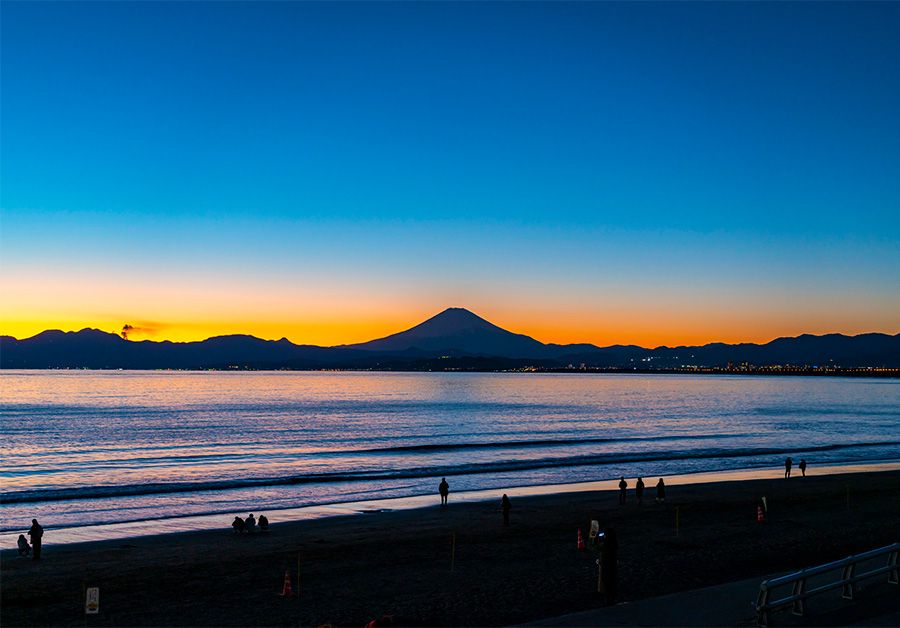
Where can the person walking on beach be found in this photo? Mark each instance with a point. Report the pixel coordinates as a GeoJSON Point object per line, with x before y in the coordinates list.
{"type": "Point", "coordinates": [444, 490]}
{"type": "Point", "coordinates": [802, 466]}
{"type": "Point", "coordinates": [660, 491]}
{"type": "Point", "coordinates": [639, 491]}
{"type": "Point", "coordinates": [622, 486]}
{"type": "Point", "coordinates": [788, 463]}
{"type": "Point", "coordinates": [36, 532]}
{"type": "Point", "coordinates": [505, 506]}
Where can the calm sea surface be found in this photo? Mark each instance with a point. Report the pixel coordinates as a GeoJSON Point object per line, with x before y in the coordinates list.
{"type": "Point", "coordinates": [87, 447]}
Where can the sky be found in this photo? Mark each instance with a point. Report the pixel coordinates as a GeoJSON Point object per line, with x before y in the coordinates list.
{"type": "Point", "coordinates": [611, 173]}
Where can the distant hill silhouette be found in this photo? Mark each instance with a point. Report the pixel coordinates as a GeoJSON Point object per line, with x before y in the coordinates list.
{"type": "Point", "coordinates": [457, 331]}
{"type": "Point", "coordinates": [455, 338]}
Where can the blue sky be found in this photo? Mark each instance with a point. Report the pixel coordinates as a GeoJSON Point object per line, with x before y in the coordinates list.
{"type": "Point", "coordinates": [735, 156]}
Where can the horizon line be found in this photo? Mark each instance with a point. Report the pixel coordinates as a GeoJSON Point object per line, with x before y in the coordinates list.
{"type": "Point", "coordinates": [351, 345]}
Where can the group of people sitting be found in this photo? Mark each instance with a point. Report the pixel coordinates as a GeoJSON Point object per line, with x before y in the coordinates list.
{"type": "Point", "coordinates": [250, 524]}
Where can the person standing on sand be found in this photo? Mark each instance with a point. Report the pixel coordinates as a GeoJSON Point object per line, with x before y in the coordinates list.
{"type": "Point", "coordinates": [788, 463]}
{"type": "Point", "coordinates": [444, 490]}
{"type": "Point", "coordinates": [802, 466]}
{"type": "Point", "coordinates": [622, 486]}
{"type": "Point", "coordinates": [36, 532]}
{"type": "Point", "coordinates": [639, 491]}
{"type": "Point", "coordinates": [609, 565]}
{"type": "Point", "coordinates": [505, 506]}
{"type": "Point", "coordinates": [660, 491]}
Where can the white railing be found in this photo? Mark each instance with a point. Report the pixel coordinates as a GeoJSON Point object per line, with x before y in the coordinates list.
{"type": "Point", "coordinates": [847, 581]}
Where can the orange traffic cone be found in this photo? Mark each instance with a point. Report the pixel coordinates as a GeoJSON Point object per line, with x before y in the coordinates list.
{"type": "Point", "coordinates": [760, 515]}
{"type": "Point", "coordinates": [580, 540]}
{"type": "Point", "coordinates": [287, 591]}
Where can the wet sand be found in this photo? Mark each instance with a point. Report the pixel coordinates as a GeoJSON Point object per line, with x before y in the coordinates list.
{"type": "Point", "coordinates": [357, 568]}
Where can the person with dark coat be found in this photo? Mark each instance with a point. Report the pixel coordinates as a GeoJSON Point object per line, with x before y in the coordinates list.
{"type": "Point", "coordinates": [639, 491]}
{"type": "Point", "coordinates": [660, 491]}
{"type": "Point", "coordinates": [788, 463]}
{"type": "Point", "coordinates": [263, 523]}
{"type": "Point", "coordinates": [24, 547]}
{"type": "Point", "coordinates": [250, 524]}
{"type": "Point", "coordinates": [609, 565]}
{"type": "Point", "coordinates": [36, 533]}
{"type": "Point", "coordinates": [803, 467]}
{"type": "Point", "coordinates": [622, 486]}
{"type": "Point", "coordinates": [505, 506]}
{"type": "Point", "coordinates": [238, 525]}
{"type": "Point", "coordinates": [444, 490]}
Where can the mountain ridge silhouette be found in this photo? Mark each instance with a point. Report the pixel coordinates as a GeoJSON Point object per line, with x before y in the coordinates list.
{"type": "Point", "coordinates": [453, 334]}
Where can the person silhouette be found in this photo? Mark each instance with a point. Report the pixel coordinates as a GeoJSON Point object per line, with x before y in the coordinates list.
{"type": "Point", "coordinates": [802, 466]}
{"type": "Point", "coordinates": [622, 486]}
{"type": "Point", "coordinates": [660, 491]}
{"type": "Point", "coordinates": [263, 523]}
{"type": "Point", "coordinates": [788, 463]}
{"type": "Point", "coordinates": [250, 523]}
{"type": "Point", "coordinates": [444, 490]}
{"type": "Point", "coordinates": [609, 565]}
{"type": "Point", "coordinates": [238, 525]}
{"type": "Point", "coordinates": [639, 491]}
{"type": "Point", "coordinates": [505, 506]}
{"type": "Point", "coordinates": [23, 546]}
{"type": "Point", "coordinates": [36, 533]}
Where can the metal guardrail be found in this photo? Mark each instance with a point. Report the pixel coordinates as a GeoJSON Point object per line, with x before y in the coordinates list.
{"type": "Point", "coordinates": [847, 581]}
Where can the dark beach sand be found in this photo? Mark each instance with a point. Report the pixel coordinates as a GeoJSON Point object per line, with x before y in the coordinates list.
{"type": "Point", "coordinates": [357, 568]}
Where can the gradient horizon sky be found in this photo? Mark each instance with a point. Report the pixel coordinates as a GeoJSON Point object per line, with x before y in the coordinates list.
{"type": "Point", "coordinates": [330, 173]}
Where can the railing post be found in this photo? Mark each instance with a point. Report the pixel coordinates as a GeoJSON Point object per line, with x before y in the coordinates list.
{"type": "Point", "coordinates": [893, 574]}
{"type": "Point", "coordinates": [797, 607]}
{"type": "Point", "coordinates": [847, 578]}
{"type": "Point", "coordinates": [762, 603]}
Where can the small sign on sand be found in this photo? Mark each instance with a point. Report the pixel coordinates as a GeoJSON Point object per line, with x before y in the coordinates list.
{"type": "Point", "coordinates": [92, 601]}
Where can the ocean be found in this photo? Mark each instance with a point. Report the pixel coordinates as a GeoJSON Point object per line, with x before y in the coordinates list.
{"type": "Point", "coordinates": [83, 448]}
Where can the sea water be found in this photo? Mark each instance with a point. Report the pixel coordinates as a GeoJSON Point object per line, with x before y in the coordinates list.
{"type": "Point", "coordinates": [94, 447]}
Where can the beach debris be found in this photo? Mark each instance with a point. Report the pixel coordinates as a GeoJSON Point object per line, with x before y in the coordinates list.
{"type": "Point", "coordinates": [580, 543]}
{"type": "Point", "coordinates": [287, 590]}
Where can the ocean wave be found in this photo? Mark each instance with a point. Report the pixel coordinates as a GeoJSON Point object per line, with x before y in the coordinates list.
{"type": "Point", "coordinates": [128, 490]}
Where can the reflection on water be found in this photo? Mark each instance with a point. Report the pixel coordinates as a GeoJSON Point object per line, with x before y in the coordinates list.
{"type": "Point", "coordinates": [89, 447]}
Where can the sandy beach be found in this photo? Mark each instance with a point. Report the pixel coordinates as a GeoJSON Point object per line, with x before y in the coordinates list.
{"type": "Point", "coordinates": [356, 568]}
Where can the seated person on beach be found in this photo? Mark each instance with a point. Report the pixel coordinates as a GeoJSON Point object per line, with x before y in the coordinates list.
{"type": "Point", "coordinates": [263, 523]}
{"type": "Point", "coordinates": [238, 525]}
{"type": "Point", "coordinates": [250, 523]}
{"type": "Point", "coordinates": [24, 547]}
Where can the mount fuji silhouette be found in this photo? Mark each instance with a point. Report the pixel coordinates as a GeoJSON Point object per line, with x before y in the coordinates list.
{"type": "Point", "coordinates": [456, 339]}
{"type": "Point", "coordinates": [457, 331]}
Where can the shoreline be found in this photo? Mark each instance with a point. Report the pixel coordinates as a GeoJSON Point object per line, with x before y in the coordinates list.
{"type": "Point", "coordinates": [860, 372]}
{"type": "Point", "coordinates": [221, 520]}
{"type": "Point", "coordinates": [459, 565]}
